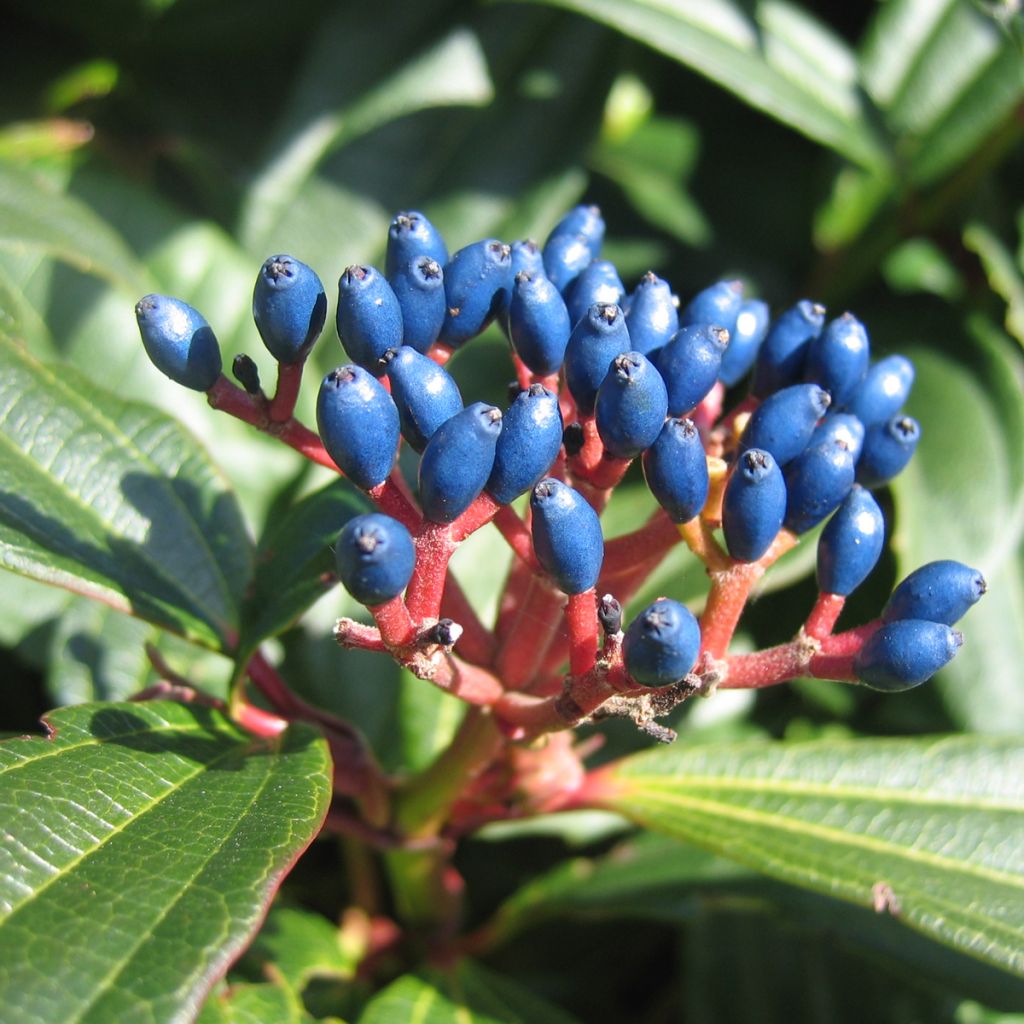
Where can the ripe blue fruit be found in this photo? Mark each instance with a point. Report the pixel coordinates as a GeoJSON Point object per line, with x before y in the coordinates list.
{"type": "Point", "coordinates": [599, 282]}
{"type": "Point", "coordinates": [425, 394]}
{"type": "Point", "coordinates": [676, 470]}
{"type": "Point", "coordinates": [718, 304]}
{"type": "Point", "coordinates": [178, 341]}
{"type": "Point", "coordinates": [419, 288]}
{"type": "Point", "coordinates": [904, 654]}
{"type": "Point", "coordinates": [411, 235]}
{"type": "Point", "coordinates": [375, 556]}
{"type": "Point", "coordinates": [817, 481]}
{"type": "Point", "coordinates": [477, 284]}
{"type": "Point", "coordinates": [784, 422]}
{"type": "Point", "coordinates": [840, 426]}
{"type": "Point", "coordinates": [538, 323]}
{"type": "Point", "coordinates": [369, 318]}
{"type": "Point", "coordinates": [753, 505]}
{"type": "Point", "coordinates": [938, 592]}
{"type": "Point", "coordinates": [689, 363]}
{"type": "Point", "coordinates": [595, 341]}
{"type": "Point", "coordinates": [661, 643]}
{"type": "Point", "coordinates": [752, 319]}
{"type": "Point", "coordinates": [631, 405]}
{"type": "Point", "coordinates": [566, 536]}
{"type": "Point", "coordinates": [652, 317]}
{"type": "Point", "coordinates": [527, 256]}
{"type": "Point", "coordinates": [358, 424]}
{"type": "Point", "coordinates": [850, 544]}
{"type": "Point", "coordinates": [457, 461]}
{"type": "Point", "coordinates": [289, 306]}
{"type": "Point", "coordinates": [565, 258]}
{"type": "Point", "coordinates": [531, 435]}
{"type": "Point", "coordinates": [585, 220]}
{"type": "Point", "coordinates": [838, 358]}
{"type": "Point", "coordinates": [883, 391]}
{"type": "Point", "coordinates": [781, 357]}
{"type": "Point", "coordinates": [888, 447]}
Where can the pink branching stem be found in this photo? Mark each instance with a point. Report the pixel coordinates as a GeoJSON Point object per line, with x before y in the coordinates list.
{"type": "Point", "coordinates": [524, 376]}
{"type": "Point", "coordinates": [525, 716]}
{"type": "Point", "coordinates": [824, 614]}
{"type": "Point", "coordinates": [396, 625]}
{"type": "Point", "coordinates": [392, 497]}
{"type": "Point", "coordinates": [434, 549]}
{"type": "Point", "coordinates": [622, 555]}
{"type": "Point", "coordinates": [581, 617]}
{"type": "Point", "coordinates": [289, 380]}
{"type": "Point", "coordinates": [517, 535]}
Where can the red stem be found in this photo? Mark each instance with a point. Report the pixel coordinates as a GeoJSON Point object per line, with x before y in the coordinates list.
{"type": "Point", "coordinates": [581, 616]}
{"type": "Point", "coordinates": [392, 498]}
{"type": "Point", "coordinates": [289, 380]}
{"type": "Point", "coordinates": [396, 625]}
{"type": "Point", "coordinates": [824, 614]}
{"type": "Point", "coordinates": [623, 555]}
{"type": "Point", "coordinates": [477, 643]}
{"type": "Point", "coordinates": [522, 651]}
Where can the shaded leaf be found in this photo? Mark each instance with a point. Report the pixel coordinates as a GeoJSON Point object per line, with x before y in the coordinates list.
{"type": "Point", "coordinates": [143, 843]}
{"type": "Point", "coordinates": [114, 500]}
{"type": "Point", "coordinates": [254, 1004]}
{"type": "Point", "coordinates": [1005, 277]}
{"type": "Point", "coordinates": [933, 828]}
{"type": "Point", "coordinates": [469, 994]}
{"type": "Point", "coordinates": [779, 60]}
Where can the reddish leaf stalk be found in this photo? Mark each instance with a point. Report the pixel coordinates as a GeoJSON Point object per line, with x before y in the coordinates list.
{"type": "Point", "coordinates": [824, 614]}
{"type": "Point", "coordinates": [522, 651]}
{"type": "Point", "coordinates": [581, 616]}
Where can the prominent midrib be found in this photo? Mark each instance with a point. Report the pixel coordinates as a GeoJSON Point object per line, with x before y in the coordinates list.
{"type": "Point", "coordinates": [774, 822]}
{"type": "Point", "coordinates": [115, 831]}
{"type": "Point", "coordinates": [215, 620]}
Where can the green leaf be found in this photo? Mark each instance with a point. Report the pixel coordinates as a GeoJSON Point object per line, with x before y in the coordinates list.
{"type": "Point", "coordinates": [779, 60]}
{"type": "Point", "coordinates": [301, 946]}
{"type": "Point", "coordinates": [254, 1004]}
{"type": "Point", "coordinates": [469, 994]}
{"type": "Point", "coordinates": [448, 72]}
{"type": "Point", "coordinates": [1005, 276]}
{"type": "Point", "coordinates": [113, 500]}
{"type": "Point", "coordinates": [143, 843]}
{"type": "Point", "coordinates": [36, 217]}
{"type": "Point", "coordinates": [936, 823]}
{"type": "Point", "coordinates": [427, 721]}
{"type": "Point", "coordinates": [295, 561]}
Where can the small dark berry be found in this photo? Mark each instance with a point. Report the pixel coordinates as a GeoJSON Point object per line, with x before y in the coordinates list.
{"type": "Point", "coordinates": [375, 557]}
{"type": "Point", "coordinates": [566, 536]}
{"type": "Point", "coordinates": [410, 236]}
{"type": "Point", "coordinates": [883, 391]}
{"type": "Point", "coordinates": [752, 319]}
{"type": "Point", "coordinates": [850, 544]}
{"type": "Point", "coordinates": [368, 318]}
{"type": "Point", "coordinates": [784, 422]}
{"type": "Point", "coordinates": [419, 288]}
{"type": "Point", "coordinates": [837, 359]}
{"type": "Point", "coordinates": [609, 615]}
{"type": "Point", "coordinates": [289, 306]}
{"type": "Point", "coordinates": [631, 405]}
{"type": "Point", "coordinates": [531, 434]}
{"type": "Point", "coordinates": [246, 372]}
{"type": "Point", "coordinates": [690, 364]}
{"type": "Point", "coordinates": [573, 438]}
{"type": "Point", "coordinates": [595, 341]}
{"type": "Point", "coordinates": [676, 470]}
{"type": "Point", "coordinates": [887, 449]}
{"type": "Point", "coordinates": [661, 643]}
{"type": "Point", "coordinates": [178, 341]}
{"type": "Point", "coordinates": [904, 654]}
{"type": "Point", "coordinates": [817, 481]}
{"type": "Point", "coordinates": [941, 591]}
{"type": "Point", "coordinates": [753, 506]}
{"type": "Point", "coordinates": [781, 357]}
{"type": "Point", "coordinates": [538, 323]}
{"type": "Point", "coordinates": [477, 284]}
{"type": "Point", "coordinates": [424, 393]}
{"type": "Point", "coordinates": [652, 317]}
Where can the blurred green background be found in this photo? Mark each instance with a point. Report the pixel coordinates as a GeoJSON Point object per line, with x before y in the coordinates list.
{"type": "Point", "coordinates": [865, 155]}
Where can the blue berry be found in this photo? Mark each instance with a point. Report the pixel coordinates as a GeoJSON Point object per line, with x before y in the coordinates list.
{"type": "Point", "coordinates": [631, 406]}
{"type": "Point", "coordinates": [527, 257]}
{"type": "Point", "coordinates": [358, 424]}
{"type": "Point", "coordinates": [817, 481]}
{"type": "Point", "coordinates": [888, 447]}
{"type": "Point", "coordinates": [784, 422]}
{"type": "Point", "coordinates": [289, 306]}
{"type": "Point", "coordinates": [718, 304]}
{"type": "Point", "coordinates": [838, 358]}
{"type": "Point", "coordinates": [375, 557]}
{"type": "Point", "coordinates": [425, 394]}
{"type": "Point", "coordinates": [477, 284]}
{"type": "Point", "coordinates": [582, 220]}
{"type": "Point", "coordinates": [937, 592]}
{"type": "Point", "coordinates": [851, 544]}
{"type": "Point", "coordinates": [538, 323]}
{"type": "Point", "coordinates": [178, 341]}
{"type": "Point", "coordinates": [840, 426]}
{"type": "Point", "coordinates": [883, 391]}
{"type": "Point", "coordinates": [904, 654]}
{"type": "Point", "coordinates": [457, 461]}
{"type": "Point", "coordinates": [690, 363]}
{"type": "Point", "coordinates": [753, 505]}
{"type": "Point", "coordinates": [661, 644]}
{"type": "Point", "coordinates": [676, 470]}
{"type": "Point", "coordinates": [369, 318]}
{"type": "Point", "coordinates": [652, 317]}
{"type": "Point", "coordinates": [599, 282]}
{"type": "Point", "coordinates": [781, 357]}
{"type": "Point", "coordinates": [531, 435]}
{"type": "Point", "coordinates": [566, 536]}
{"type": "Point", "coordinates": [595, 341]}
{"type": "Point", "coordinates": [410, 236]}
{"type": "Point", "coordinates": [752, 319]}
{"type": "Point", "coordinates": [565, 258]}
{"type": "Point", "coordinates": [419, 288]}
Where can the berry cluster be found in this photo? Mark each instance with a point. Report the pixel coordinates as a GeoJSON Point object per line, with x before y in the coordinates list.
{"type": "Point", "coordinates": [605, 376]}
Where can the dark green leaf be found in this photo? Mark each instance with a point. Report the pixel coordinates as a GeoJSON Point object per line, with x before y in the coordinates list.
{"type": "Point", "coordinates": [928, 830]}
{"type": "Point", "coordinates": [780, 60]}
{"type": "Point", "coordinates": [295, 560]}
{"type": "Point", "coordinates": [143, 843]}
{"type": "Point", "coordinates": [469, 994]}
{"type": "Point", "coordinates": [254, 1004]}
{"type": "Point", "coordinates": [1005, 276]}
{"type": "Point", "coordinates": [114, 500]}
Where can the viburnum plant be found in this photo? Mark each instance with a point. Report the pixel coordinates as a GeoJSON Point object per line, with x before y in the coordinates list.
{"type": "Point", "coordinates": [605, 378]}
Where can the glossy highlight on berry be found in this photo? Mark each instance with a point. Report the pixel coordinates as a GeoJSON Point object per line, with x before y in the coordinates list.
{"type": "Point", "coordinates": [178, 341]}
